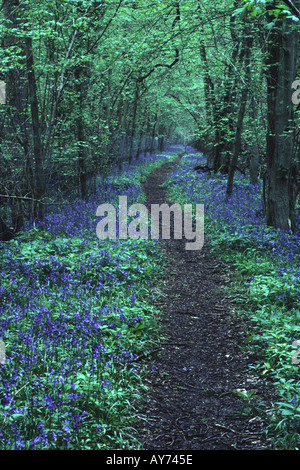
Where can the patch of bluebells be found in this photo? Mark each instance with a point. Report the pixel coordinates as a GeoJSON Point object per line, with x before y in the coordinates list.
{"type": "Point", "coordinates": [77, 218]}
{"type": "Point", "coordinates": [62, 324]}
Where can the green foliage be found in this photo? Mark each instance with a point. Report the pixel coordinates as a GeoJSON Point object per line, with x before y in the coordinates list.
{"type": "Point", "coordinates": [258, 7]}
{"type": "Point", "coordinates": [115, 80]}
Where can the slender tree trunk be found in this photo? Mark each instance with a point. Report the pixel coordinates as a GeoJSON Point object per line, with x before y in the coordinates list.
{"type": "Point", "coordinates": [40, 181]}
{"type": "Point", "coordinates": [133, 123]}
{"type": "Point", "coordinates": [254, 149]}
{"type": "Point", "coordinates": [212, 109]}
{"type": "Point", "coordinates": [82, 172]}
{"type": "Point", "coordinates": [240, 118]}
{"type": "Point", "coordinates": [237, 142]}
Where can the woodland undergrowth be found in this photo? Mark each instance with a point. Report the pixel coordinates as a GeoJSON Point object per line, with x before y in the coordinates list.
{"type": "Point", "coordinates": [75, 315]}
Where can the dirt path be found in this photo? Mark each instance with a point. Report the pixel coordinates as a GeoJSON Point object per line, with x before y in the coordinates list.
{"type": "Point", "coordinates": [193, 402]}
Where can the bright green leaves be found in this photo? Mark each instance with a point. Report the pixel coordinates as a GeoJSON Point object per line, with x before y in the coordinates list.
{"type": "Point", "coordinates": [280, 10]}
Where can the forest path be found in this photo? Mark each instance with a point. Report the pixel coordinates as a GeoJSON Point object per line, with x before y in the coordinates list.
{"type": "Point", "coordinates": [193, 402]}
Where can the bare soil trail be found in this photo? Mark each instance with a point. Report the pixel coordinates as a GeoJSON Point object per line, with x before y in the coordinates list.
{"type": "Point", "coordinates": [203, 365]}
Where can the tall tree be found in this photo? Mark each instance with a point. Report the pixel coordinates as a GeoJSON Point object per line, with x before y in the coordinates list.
{"type": "Point", "coordinates": [280, 73]}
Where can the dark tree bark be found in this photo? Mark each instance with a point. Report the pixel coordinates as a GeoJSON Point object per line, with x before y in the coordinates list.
{"type": "Point", "coordinates": [254, 148]}
{"type": "Point", "coordinates": [40, 180]}
{"type": "Point", "coordinates": [281, 69]}
{"type": "Point", "coordinates": [18, 129]}
{"type": "Point", "coordinates": [16, 79]}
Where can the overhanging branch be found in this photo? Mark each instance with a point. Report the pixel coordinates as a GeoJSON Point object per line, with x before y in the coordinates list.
{"type": "Point", "coordinates": [292, 7]}
{"type": "Point", "coordinates": [140, 79]}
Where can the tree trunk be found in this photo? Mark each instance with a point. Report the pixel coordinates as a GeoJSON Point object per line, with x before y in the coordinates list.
{"type": "Point", "coordinates": [254, 148]}
{"type": "Point", "coordinates": [237, 142]}
{"type": "Point", "coordinates": [133, 123]}
{"type": "Point", "coordinates": [281, 63]}
{"type": "Point", "coordinates": [82, 172]}
{"type": "Point", "coordinates": [212, 109]}
{"type": "Point", "coordinates": [241, 113]}
{"type": "Point", "coordinates": [40, 181]}
{"type": "Point", "coordinates": [16, 90]}
{"type": "Point", "coordinates": [21, 89]}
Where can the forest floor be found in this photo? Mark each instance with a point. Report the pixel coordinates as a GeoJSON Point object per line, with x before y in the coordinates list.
{"type": "Point", "coordinates": [202, 367]}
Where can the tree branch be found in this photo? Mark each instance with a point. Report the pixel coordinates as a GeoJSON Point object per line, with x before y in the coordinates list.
{"type": "Point", "coordinates": [140, 79]}
{"type": "Point", "coordinates": [106, 27]}
{"type": "Point", "coordinates": [26, 198]}
{"type": "Point", "coordinates": [292, 7]}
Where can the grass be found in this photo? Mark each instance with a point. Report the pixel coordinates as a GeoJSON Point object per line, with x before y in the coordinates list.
{"type": "Point", "coordinates": [75, 314]}
{"type": "Point", "coordinates": [267, 283]}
